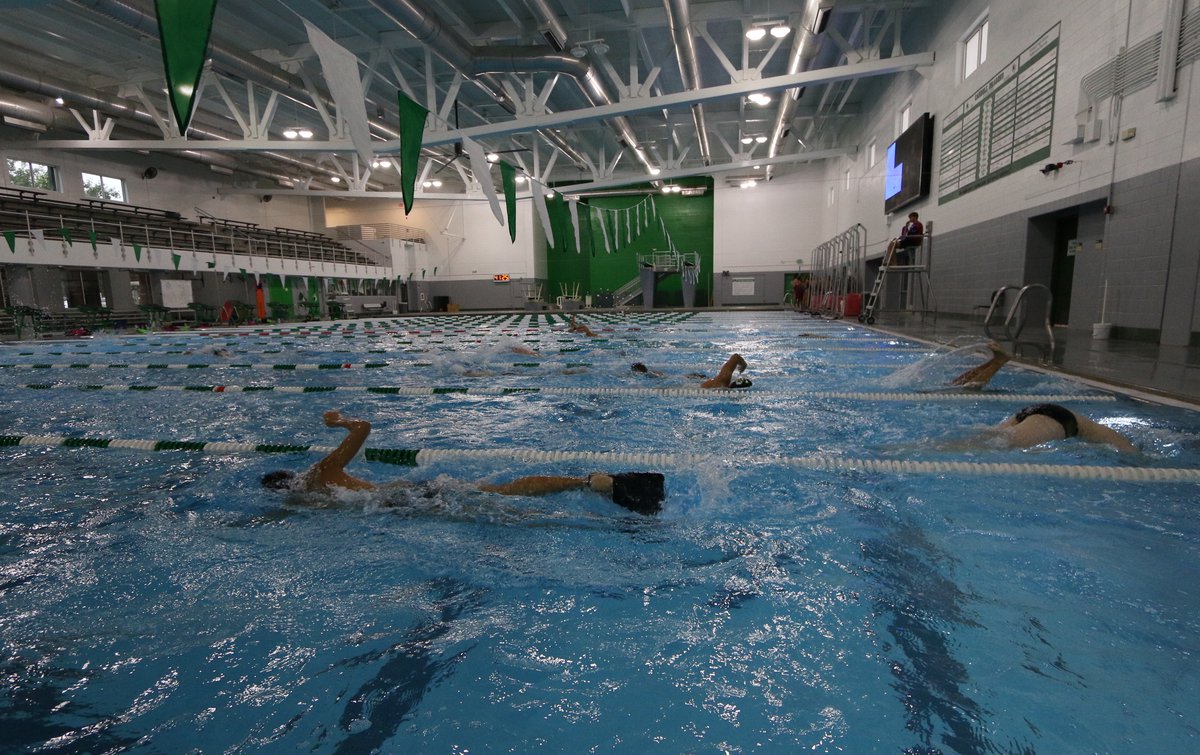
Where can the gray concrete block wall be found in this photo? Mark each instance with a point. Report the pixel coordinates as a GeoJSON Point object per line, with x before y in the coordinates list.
{"type": "Point", "coordinates": [1181, 310]}
{"type": "Point", "coordinates": [1150, 255]}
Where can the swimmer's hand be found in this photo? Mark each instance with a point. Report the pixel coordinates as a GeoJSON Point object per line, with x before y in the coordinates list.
{"type": "Point", "coordinates": [332, 418]}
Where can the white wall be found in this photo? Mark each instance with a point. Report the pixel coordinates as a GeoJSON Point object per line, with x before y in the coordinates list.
{"type": "Point", "coordinates": [463, 239]}
{"type": "Point", "coordinates": [771, 225]}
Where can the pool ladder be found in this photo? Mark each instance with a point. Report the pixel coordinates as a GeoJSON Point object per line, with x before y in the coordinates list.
{"type": "Point", "coordinates": [1018, 316]}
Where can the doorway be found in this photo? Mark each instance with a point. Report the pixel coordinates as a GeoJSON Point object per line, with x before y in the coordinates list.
{"type": "Point", "coordinates": [1062, 270]}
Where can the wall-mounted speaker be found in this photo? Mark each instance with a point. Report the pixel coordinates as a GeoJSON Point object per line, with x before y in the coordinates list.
{"type": "Point", "coordinates": [150, 172]}
{"type": "Point", "coordinates": [265, 198]}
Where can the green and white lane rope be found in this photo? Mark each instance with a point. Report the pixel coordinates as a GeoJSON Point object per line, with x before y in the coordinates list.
{"type": "Point", "coordinates": [723, 393]}
{"type": "Point", "coordinates": [821, 462]}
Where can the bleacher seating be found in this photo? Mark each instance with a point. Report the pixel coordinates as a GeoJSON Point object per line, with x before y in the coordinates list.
{"type": "Point", "coordinates": [22, 210]}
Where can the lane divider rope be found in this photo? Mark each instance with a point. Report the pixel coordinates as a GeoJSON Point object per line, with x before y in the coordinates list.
{"type": "Point", "coordinates": [821, 462]}
{"type": "Point", "coordinates": [914, 396]}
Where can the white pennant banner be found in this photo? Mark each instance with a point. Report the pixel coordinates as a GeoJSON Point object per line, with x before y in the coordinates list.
{"type": "Point", "coordinates": [539, 204]}
{"type": "Point", "coordinates": [482, 170]}
{"type": "Point", "coordinates": [573, 207]}
{"type": "Point", "coordinates": [341, 74]}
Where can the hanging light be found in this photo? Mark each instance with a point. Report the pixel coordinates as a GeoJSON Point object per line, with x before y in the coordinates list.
{"type": "Point", "coordinates": [749, 183]}
{"type": "Point", "coordinates": [290, 133]}
{"type": "Point", "coordinates": [747, 139]}
{"type": "Point", "coordinates": [666, 189]}
{"type": "Point", "coordinates": [335, 179]}
{"type": "Point", "coordinates": [760, 139]}
{"type": "Point", "coordinates": [520, 179]}
{"type": "Point", "coordinates": [655, 171]}
{"type": "Point", "coordinates": [426, 184]}
{"type": "Point", "coordinates": [305, 133]}
{"type": "Point", "coordinates": [780, 30]}
{"type": "Point", "coordinates": [755, 33]}
{"type": "Point", "coordinates": [437, 184]}
{"type": "Point", "coordinates": [760, 98]}
{"type": "Point", "coordinates": [492, 157]}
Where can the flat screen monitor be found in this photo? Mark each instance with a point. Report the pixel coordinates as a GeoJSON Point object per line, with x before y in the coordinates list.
{"type": "Point", "coordinates": [909, 165]}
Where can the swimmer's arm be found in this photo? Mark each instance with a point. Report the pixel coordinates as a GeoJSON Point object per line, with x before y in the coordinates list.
{"type": "Point", "coordinates": [1094, 432]}
{"type": "Point", "coordinates": [536, 485]}
{"type": "Point", "coordinates": [328, 469]}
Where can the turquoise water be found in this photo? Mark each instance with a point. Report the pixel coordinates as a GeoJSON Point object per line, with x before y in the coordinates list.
{"type": "Point", "coordinates": [164, 602]}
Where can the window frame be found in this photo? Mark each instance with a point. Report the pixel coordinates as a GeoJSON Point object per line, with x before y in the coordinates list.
{"type": "Point", "coordinates": [977, 34]}
{"type": "Point", "coordinates": [904, 118]}
{"type": "Point", "coordinates": [104, 185]}
{"type": "Point", "coordinates": [52, 172]}
{"type": "Point", "coordinates": [78, 283]}
{"type": "Point", "coordinates": [872, 156]}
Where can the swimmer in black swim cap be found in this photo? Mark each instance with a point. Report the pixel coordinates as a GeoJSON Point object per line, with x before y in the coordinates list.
{"type": "Point", "coordinates": [641, 492]}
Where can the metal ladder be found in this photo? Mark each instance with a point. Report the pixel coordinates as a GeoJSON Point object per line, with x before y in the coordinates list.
{"type": "Point", "coordinates": [1021, 315]}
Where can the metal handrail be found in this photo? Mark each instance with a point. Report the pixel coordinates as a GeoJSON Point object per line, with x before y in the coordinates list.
{"type": "Point", "coordinates": [1021, 320]}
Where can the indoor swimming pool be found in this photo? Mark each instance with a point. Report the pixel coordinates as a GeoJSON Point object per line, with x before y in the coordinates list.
{"type": "Point", "coordinates": [835, 569]}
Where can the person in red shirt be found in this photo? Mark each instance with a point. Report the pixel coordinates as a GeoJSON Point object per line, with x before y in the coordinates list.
{"type": "Point", "coordinates": [911, 235]}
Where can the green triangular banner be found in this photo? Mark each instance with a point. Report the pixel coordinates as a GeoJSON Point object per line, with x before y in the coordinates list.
{"type": "Point", "coordinates": [412, 133]}
{"type": "Point", "coordinates": [92, 238]}
{"type": "Point", "coordinates": [11, 238]}
{"type": "Point", "coordinates": [508, 179]}
{"type": "Point", "coordinates": [175, 259]}
{"type": "Point", "coordinates": [66, 234]}
{"type": "Point", "coordinates": [137, 251]}
{"type": "Point", "coordinates": [184, 27]}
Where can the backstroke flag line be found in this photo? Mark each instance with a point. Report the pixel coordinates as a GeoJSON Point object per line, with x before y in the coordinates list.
{"type": "Point", "coordinates": [341, 74]}
{"type": "Point", "coordinates": [184, 27]}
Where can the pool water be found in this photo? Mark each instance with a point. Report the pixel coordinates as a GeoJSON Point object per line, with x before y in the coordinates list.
{"type": "Point", "coordinates": [162, 601]}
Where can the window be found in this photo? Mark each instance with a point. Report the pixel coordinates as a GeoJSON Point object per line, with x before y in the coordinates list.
{"type": "Point", "coordinates": [974, 49]}
{"type": "Point", "coordinates": [139, 289]}
{"type": "Point", "coordinates": [905, 118]}
{"type": "Point", "coordinates": [103, 187]}
{"type": "Point", "coordinates": [81, 288]}
{"type": "Point", "coordinates": [32, 175]}
{"type": "Point", "coordinates": [832, 196]}
{"type": "Point", "coordinates": [871, 157]}
{"type": "Point", "coordinates": [847, 179]}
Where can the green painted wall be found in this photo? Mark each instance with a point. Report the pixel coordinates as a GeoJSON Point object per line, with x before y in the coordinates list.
{"type": "Point", "coordinates": [689, 220]}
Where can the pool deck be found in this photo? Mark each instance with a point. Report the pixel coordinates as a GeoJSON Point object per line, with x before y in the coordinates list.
{"type": "Point", "coordinates": [1165, 372]}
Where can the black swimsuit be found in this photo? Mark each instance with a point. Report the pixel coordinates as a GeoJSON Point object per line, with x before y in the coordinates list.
{"type": "Point", "coordinates": [1059, 414]}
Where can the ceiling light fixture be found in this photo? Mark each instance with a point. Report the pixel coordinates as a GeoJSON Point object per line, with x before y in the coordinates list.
{"type": "Point", "coordinates": [305, 133]}
{"type": "Point", "coordinates": [520, 179]}
{"type": "Point", "coordinates": [492, 157]}
{"type": "Point", "coordinates": [755, 33]}
{"type": "Point", "coordinates": [426, 184]}
{"type": "Point", "coordinates": [779, 31]}
{"type": "Point", "coordinates": [59, 101]}
{"type": "Point", "coordinates": [749, 183]}
{"type": "Point", "coordinates": [760, 139]}
{"type": "Point", "coordinates": [760, 98]}
{"type": "Point", "coordinates": [579, 51]}
{"type": "Point", "coordinates": [437, 184]}
{"type": "Point", "coordinates": [747, 139]}
{"type": "Point", "coordinates": [335, 179]}
{"type": "Point", "coordinates": [290, 133]}
{"type": "Point", "coordinates": [655, 171]}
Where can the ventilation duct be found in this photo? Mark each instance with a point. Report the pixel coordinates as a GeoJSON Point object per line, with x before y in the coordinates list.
{"type": "Point", "coordinates": [811, 22]}
{"type": "Point", "coordinates": [679, 18]}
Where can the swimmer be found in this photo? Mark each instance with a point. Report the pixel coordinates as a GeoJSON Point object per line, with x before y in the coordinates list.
{"type": "Point", "coordinates": [724, 378]}
{"type": "Point", "coordinates": [641, 492]}
{"type": "Point", "coordinates": [577, 328]}
{"type": "Point", "coordinates": [977, 377]}
{"type": "Point", "coordinates": [1042, 423]}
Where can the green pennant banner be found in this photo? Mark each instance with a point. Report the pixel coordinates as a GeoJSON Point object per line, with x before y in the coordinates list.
{"type": "Point", "coordinates": [175, 259]}
{"type": "Point", "coordinates": [184, 27]}
{"type": "Point", "coordinates": [137, 251]}
{"type": "Point", "coordinates": [11, 238]}
{"type": "Point", "coordinates": [508, 179]}
{"type": "Point", "coordinates": [92, 238]}
{"type": "Point", "coordinates": [412, 133]}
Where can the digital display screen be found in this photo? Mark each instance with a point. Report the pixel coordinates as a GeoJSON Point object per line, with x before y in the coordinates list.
{"type": "Point", "coordinates": [909, 164]}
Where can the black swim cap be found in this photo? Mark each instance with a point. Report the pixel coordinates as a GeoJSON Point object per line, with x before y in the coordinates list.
{"type": "Point", "coordinates": [280, 479]}
{"type": "Point", "coordinates": [639, 367]}
{"type": "Point", "coordinates": [639, 491]}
